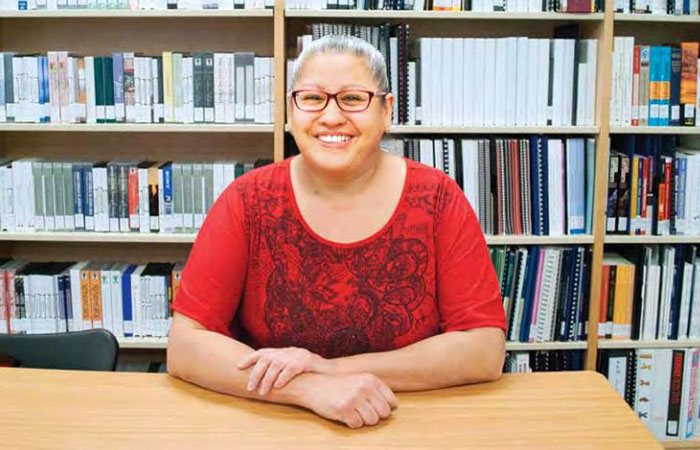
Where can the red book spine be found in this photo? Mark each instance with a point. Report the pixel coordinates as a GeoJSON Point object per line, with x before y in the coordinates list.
{"type": "Point", "coordinates": [133, 187]}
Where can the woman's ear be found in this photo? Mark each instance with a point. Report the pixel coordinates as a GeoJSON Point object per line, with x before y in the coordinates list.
{"type": "Point", "coordinates": [388, 110]}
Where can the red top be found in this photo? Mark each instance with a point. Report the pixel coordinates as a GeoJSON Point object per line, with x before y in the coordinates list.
{"type": "Point", "coordinates": [259, 273]}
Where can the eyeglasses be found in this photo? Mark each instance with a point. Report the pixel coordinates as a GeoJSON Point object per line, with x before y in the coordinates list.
{"type": "Point", "coordinates": [350, 100]}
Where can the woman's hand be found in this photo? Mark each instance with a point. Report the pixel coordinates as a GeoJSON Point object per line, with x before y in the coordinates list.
{"type": "Point", "coordinates": [278, 366]}
{"type": "Point", "coordinates": [355, 399]}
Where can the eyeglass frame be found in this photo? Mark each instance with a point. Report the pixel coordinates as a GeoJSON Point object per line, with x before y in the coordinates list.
{"type": "Point", "coordinates": [372, 95]}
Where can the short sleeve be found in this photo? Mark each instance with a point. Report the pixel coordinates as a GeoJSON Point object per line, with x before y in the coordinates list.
{"type": "Point", "coordinates": [467, 286]}
{"type": "Point", "coordinates": [214, 277]}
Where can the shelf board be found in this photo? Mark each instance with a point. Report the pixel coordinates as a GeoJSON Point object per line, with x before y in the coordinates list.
{"type": "Point", "coordinates": [119, 13]}
{"type": "Point", "coordinates": [139, 127]}
{"type": "Point", "coordinates": [610, 344]}
{"type": "Point", "coordinates": [688, 443]}
{"type": "Point", "coordinates": [462, 15]}
{"type": "Point", "coordinates": [145, 343]}
{"type": "Point", "coordinates": [420, 129]}
{"type": "Point", "coordinates": [424, 129]}
{"type": "Point", "coordinates": [526, 346]}
{"type": "Point", "coordinates": [666, 18]}
{"type": "Point", "coordinates": [674, 239]}
{"type": "Point", "coordinates": [655, 130]}
{"type": "Point", "coordinates": [90, 236]}
{"type": "Point", "coordinates": [539, 240]}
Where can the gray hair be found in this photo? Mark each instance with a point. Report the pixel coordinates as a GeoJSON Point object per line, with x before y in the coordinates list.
{"type": "Point", "coordinates": [334, 43]}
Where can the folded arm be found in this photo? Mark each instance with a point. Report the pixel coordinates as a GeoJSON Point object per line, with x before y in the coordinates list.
{"type": "Point", "coordinates": [448, 359]}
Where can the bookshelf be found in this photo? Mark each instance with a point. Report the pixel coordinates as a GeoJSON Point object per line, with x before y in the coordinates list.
{"type": "Point", "coordinates": [273, 33]}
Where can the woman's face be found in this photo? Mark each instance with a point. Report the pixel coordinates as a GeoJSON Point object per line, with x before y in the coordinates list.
{"type": "Point", "coordinates": [332, 139]}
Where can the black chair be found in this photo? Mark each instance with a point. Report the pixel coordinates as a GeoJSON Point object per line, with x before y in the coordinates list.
{"type": "Point", "coordinates": [78, 350]}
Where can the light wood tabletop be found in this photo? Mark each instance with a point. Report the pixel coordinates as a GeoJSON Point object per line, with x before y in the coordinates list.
{"type": "Point", "coordinates": [96, 410]}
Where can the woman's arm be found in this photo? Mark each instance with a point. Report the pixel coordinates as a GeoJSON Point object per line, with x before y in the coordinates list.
{"type": "Point", "coordinates": [448, 359]}
{"type": "Point", "coordinates": [208, 359]}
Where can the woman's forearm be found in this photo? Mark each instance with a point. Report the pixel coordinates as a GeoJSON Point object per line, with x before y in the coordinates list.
{"type": "Point", "coordinates": [209, 359]}
{"type": "Point", "coordinates": [443, 360]}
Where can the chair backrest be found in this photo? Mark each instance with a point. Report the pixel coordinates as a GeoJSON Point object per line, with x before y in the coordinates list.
{"type": "Point", "coordinates": [78, 350]}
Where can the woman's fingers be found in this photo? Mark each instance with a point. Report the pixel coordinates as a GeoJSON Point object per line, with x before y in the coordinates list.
{"type": "Point", "coordinates": [286, 376]}
{"type": "Point", "coordinates": [257, 373]}
{"type": "Point", "coordinates": [368, 413]}
{"type": "Point", "coordinates": [273, 370]}
{"type": "Point", "coordinates": [249, 359]}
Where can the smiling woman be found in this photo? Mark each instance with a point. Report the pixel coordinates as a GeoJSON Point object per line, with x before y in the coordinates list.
{"type": "Point", "coordinates": [333, 278]}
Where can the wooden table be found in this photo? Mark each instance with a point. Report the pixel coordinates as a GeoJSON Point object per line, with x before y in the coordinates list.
{"type": "Point", "coordinates": [97, 410]}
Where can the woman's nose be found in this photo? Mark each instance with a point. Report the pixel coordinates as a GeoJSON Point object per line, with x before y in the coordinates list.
{"type": "Point", "coordinates": [332, 115]}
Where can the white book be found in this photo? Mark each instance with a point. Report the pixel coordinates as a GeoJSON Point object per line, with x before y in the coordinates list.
{"type": "Point", "coordinates": [115, 279]}
{"type": "Point", "coordinates": [425, 110]}
{"type": "Point", "coordinates": [136, 300]}
{"type": "Point", "coordinates": [689, 393]}
{"type": "Point", "coordinates": [435, 81]}
{"type": "Point", "coordinates": [489, 86]}
{"type": "Point", "coordinates": [457, 65]}
{"type": "Point", "coordinates": [447, 118]}
{"type": "Point", "coordinates": [230, 101]}
{"type": "Point", "coordinates": [144, 216]}
{"type": "Point", "coordinates": [470, 173]}
{"type": "Point", "coordinates": [629, 73]}
{"type": "Point", "coordinates": [76, 297]}
{"type": "Point", "coordinates": [533, 50]}
{"type": "Point", "coordinates": [511, 81]}
{"type": "Point", "coordinates": [543, 81]}
{"type": "Point", "coordinates": [478, 89]}
{"type": "Point", "coordinates": [522, 72]}
{"type": "Point", "coordinates": [661, 387]}
{"type": "Point", "coordinates": [469, 81]}
{"type": "Point", "coordinates": [90, 89]}
{"type": "Point", "coordinates": [105, 286]}
{"type": "Point", "coordinates": [393, 70]}
{"type": "Point", "coordinates": [568, 100]}
{"type": "Point", "coordinates": [219, 88]}
{"type": "Point", "coordinates": [651, 302]}
{"type": "Point", "coordinates": [411, 117]}
{"type": "Point", "coordinates": [556, 187]}
{"type": "Point", "coordinates": [501, 87]}
{"type": "Point", "coordinates": [556, 114]}
{"type": "Point", "coordinates": [229, 173]}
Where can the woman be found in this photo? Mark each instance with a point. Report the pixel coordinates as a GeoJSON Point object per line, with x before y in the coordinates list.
{"type": "Point", "coordinates": [355, 273]}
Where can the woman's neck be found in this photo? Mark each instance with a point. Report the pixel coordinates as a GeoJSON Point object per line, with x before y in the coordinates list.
{"type": "Point", "coordinates": [330, 185]}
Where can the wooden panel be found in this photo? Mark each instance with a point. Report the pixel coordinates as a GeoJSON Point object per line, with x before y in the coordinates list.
{"type": "Point", "coordinates": [127, 253]}
{"type": "Point", "coordinates": [103, 36]}
{"type": "Point", "coordinates": [280, 80]}
{"type": "Point", "coordinates": [600, 200]}
{"type": "Point", "coordinates": [156, 146]}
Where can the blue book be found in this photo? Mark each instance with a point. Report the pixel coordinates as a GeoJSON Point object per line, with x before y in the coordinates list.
{"type": "Point", "coordinates": [654, 89]}
{"type": "Point", "coordinates": [529, 292]}
{"type": "Point", "coordinates": [537, 206]}
{"type": "Point", "coordinates": [665, 102]}
{"type": "Point", "coordinates": [590, 183]}
{"type": "Point", "coordinates": [69, 303]}
{"type": "Point", "coordinates": [575, 190]}
{"type": "Point", "coordinates": [127, 310]}
{"type": "Point", "coordinates": [167, 213]}
{"type": "Point", "coordinates": [118, 77]}
{"type": "Point", "coordinates": [78, 211]}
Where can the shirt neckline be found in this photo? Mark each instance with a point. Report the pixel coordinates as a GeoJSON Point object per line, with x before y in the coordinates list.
{"type": "Point", "coordinates": [318, 237]}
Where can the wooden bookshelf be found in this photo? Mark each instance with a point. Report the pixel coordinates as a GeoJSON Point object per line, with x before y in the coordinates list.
{"type": "Point", "coordinates": [137, 128]}
{"type": "Point", "coordinates": [128, 14]}
{"type": "Point", "coordinates": [656, 130]}
{"type": "Point", "coordinates": [91, 236]}
{"type": "Point", "coordinates": [611, 344]}
{"type": "Point", "coordinates": [540, 240]}
{"type": "Point", "coordinates": [145, 343]}
{"type": "Point", "coordinates": [647, 18]}
{"type": "Point", "coordinates": [434, 15]}
{"type": "Point", "coordinates": [641, 240]}
{"type": "Point", "coordinates": [525, 346]}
